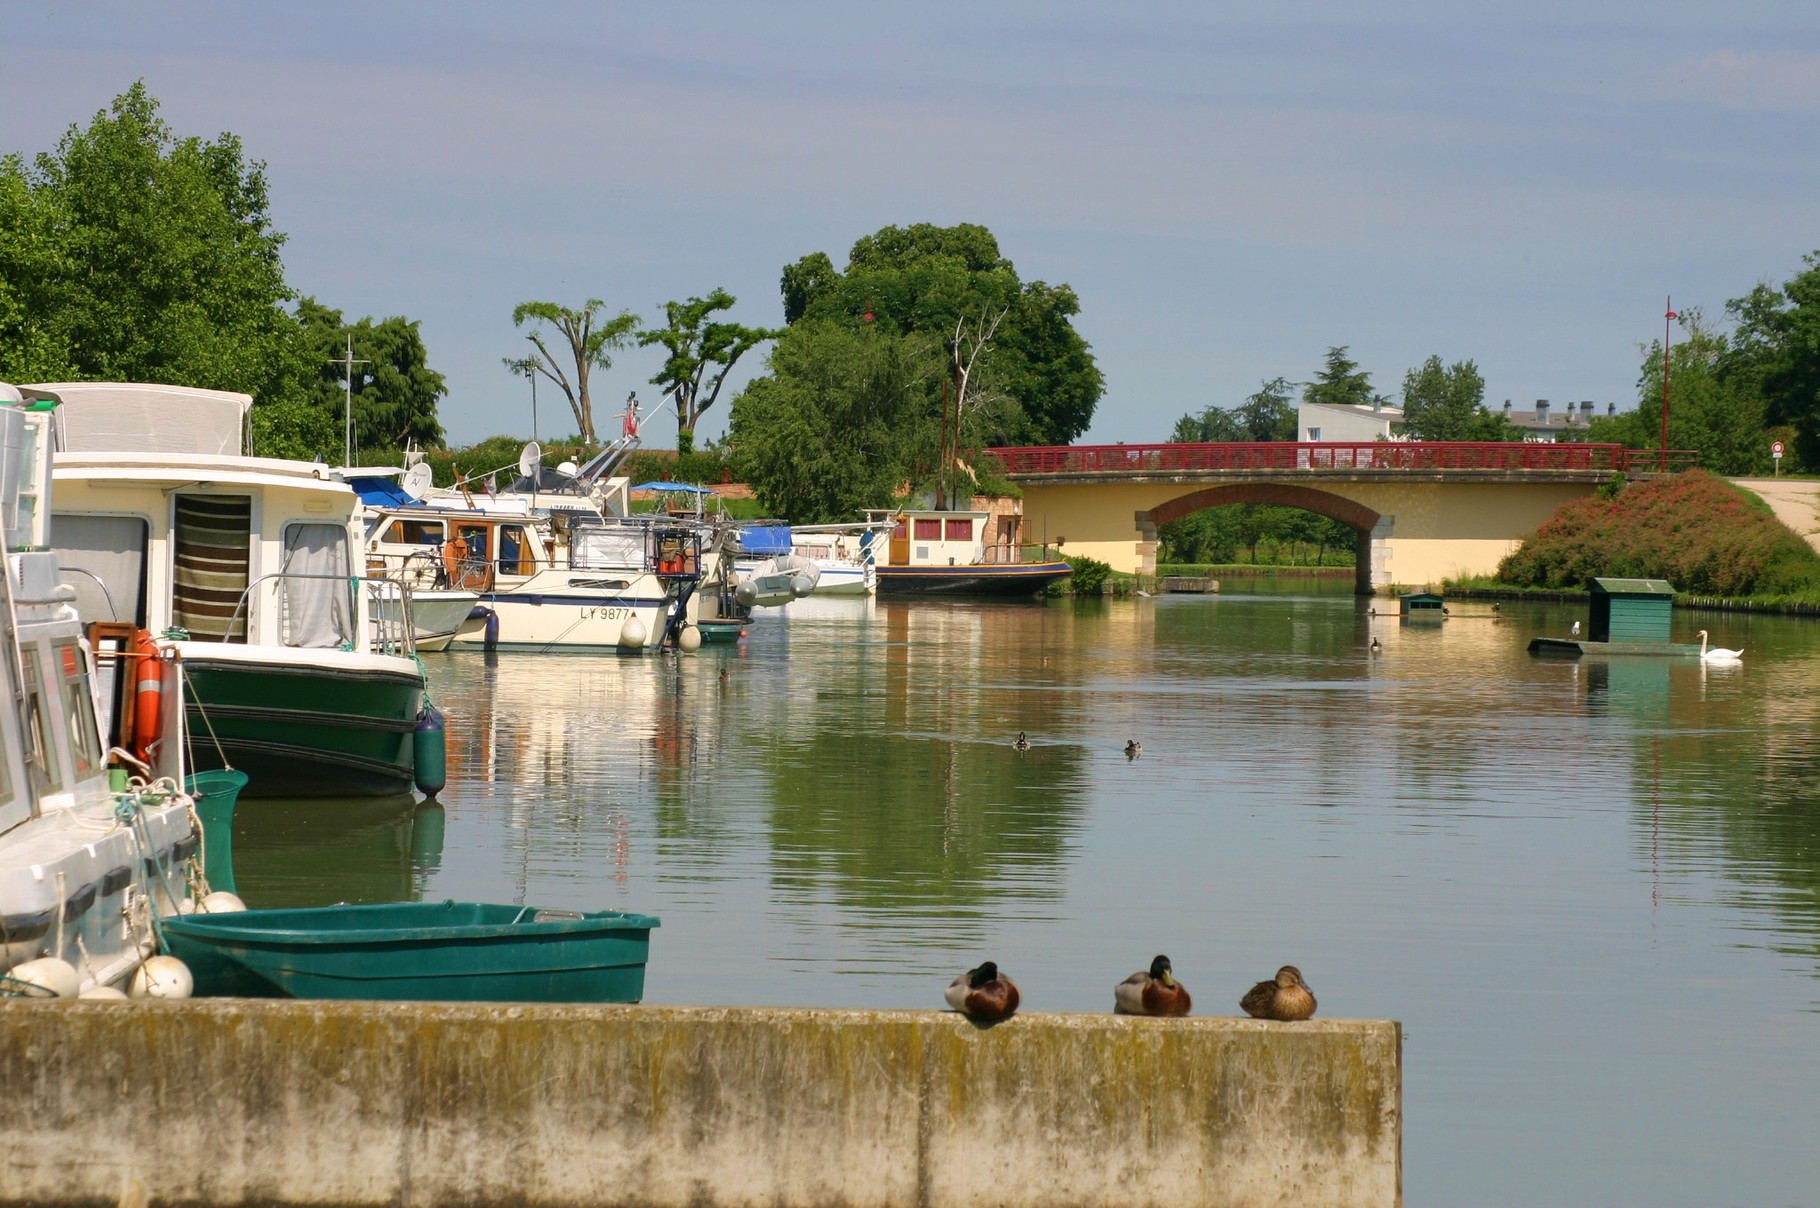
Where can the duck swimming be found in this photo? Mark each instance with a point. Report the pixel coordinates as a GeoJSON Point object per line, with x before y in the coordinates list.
{"type": "Point", "coordinates": [1153, 993]}
{"type": "Point", "coordinates": [983, 994]}
{"type": "Point", "coordinates": [1020, 742]}
{"type": "Point", "coordinates": [1133, 748]}
{"type": "Point", "coordinates": [1377, 647]}
{"type": "Point", "coordinates": [1285, 998]}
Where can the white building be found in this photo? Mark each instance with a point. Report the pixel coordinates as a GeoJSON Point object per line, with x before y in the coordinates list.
{"type": "Point", "coordinates": [1346, 424]}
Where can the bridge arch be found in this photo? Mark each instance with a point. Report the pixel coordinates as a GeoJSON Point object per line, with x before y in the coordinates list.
{"type": "Point", "coordinates": [1371, 526]}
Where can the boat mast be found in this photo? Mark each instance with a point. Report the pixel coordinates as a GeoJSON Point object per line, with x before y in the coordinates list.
{"type": "Point", "coordinates": [348, 363]}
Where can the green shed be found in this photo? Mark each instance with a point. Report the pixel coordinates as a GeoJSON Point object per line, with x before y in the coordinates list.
{"type": "Point", "coordinates": [1631, 610]}
{"type": "Point", "coordinates": [1422, 606]}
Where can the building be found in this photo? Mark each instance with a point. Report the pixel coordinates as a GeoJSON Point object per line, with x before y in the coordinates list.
{"type": "Point", "coordinates": [1346, 424]}
{"type": "Point", "coordinates": [1548, 424]}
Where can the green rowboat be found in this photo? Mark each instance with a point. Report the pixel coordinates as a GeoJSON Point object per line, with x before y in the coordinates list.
{"type": "Point", "coordinates": [443, 952]}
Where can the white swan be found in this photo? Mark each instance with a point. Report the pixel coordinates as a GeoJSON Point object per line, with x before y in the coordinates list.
{"type": "Point", "coordinates": [1718, 654]}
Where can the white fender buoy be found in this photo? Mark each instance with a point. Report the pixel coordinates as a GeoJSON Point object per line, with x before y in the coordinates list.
{"type": "Point", "coordinates": [801, 585]}
{"type": "Point", "coordinates": [58, 978]}
{"type": "Point", "coordinates": [746, 592]}
{"type": "Point", "coordinates": [104, 993]}
{"type": "Point", "coordinates": [162, 977]}
{"type": "Point", "coordinates": [632, 634]}
{"type": "Point", "coordinates": [220, 902]}
{"type": "Point", "coordinates": [689, 640]}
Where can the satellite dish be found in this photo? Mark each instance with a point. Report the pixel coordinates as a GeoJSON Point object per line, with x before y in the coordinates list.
{"type": "Point", "coordinates": [530, 459]}
{"type": "Point", "coordinates": [418, 480]}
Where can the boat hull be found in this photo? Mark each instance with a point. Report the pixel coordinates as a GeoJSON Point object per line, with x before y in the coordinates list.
{"type": "Point", "coordinates": [317, 723]}
{"type": "Point", "coordinates": [420, 952]}
{"type": "Point", "coordinates": [982, 579]}
{"type": "Point", "coordinates": [564, 611]}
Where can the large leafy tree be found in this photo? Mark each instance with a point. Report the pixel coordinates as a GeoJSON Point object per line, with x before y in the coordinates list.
{"type": "Point", "coordinates": [702, 349]}
{"type": "Point", "coordinates": [394, 389]}
{"type": "Point", "coordinates": [1447, 402]}
{"type": "Point", "coordinates": [1265, 415]}
{"type": "Point", "coordinates": [1776, 352]}
{"type": "Point", "coordinates": [1721, 416]}
{"type": "Point", "coordinates": [131, 254]}
{"type": "Point", "coordinates": [842, 420]}
{"type": "Point", "coordinates": [587, 344]}
{"type": "Point", "coordinates": [1016, 362]}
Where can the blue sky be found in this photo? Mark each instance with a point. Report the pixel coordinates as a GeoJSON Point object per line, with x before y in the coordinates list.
{"type": "Point", "coordinates": [1229, 188]}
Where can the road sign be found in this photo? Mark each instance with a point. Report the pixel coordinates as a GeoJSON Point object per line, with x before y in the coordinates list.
{"type": "Point", "coordinates": [1775, 448]}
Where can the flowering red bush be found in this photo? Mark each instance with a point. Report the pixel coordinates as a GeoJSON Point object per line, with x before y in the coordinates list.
{"type": "Point", "coordinates": [1693, 529]}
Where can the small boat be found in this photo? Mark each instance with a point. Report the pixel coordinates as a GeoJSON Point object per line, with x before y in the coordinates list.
{"type": "Point", "coordinates": [417, 951]}
{"type": "Point", "coordinates": [777, 580]}
{"type": "Point", "coordinates": [946, 552]}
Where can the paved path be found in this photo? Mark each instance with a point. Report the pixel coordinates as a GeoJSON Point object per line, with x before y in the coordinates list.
{"type": "Point", "coordinates": [1796, 502]}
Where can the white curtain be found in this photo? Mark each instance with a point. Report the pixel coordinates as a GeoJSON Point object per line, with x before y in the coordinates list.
{"type": "Point", "coordinates": [316, 593]}
{"type": "Point", "coordinates": [103, 558]}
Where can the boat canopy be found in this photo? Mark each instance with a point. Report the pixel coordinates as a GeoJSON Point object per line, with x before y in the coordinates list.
{"type": "Point", "coordinates": [766, 540]}
{"type": "Point", "coordinates": [106, 417]}
{"type": "Point", "coordinates": [380, 492]}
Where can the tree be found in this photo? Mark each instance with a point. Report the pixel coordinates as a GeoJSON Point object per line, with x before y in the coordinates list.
{"type": "Point", "coordinates": [841, 421]}
{"type": "Point", "coordinates": [1268, 414]}
{"type": "Point", "coordinates": [394, 389]}
{"type": "Point", "coordinates": [589, 348]}
{"type": "Point", "coordinates": [1340, 383]}
{"type": "Point", "coordinates": [1036, 384]}
{"type": "Point", "coordinates": [701, 353]}
{"type": "Point", "coordinates": [1775, 353]}
{"type": "Point", "coordinates": [1721, 417]}
{"type": "Point", "coordinates": [1449, 404]}
{"type": "Point", "coordinates": [131, 254]}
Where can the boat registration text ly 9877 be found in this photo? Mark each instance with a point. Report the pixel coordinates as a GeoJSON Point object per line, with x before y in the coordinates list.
{"type": "Point", "coordinates": [605, 614]}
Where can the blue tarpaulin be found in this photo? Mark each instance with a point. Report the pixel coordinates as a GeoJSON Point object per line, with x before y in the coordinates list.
{"type": "Point", "coordinates": [380, 492]}
{"type": "Point", "coordinates": [673, 486]}
{"type": "Point", "coordinates": [765, 539]}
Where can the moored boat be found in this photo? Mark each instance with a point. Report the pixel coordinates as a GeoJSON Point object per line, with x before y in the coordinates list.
{"type": "Point", "coordinates": [418, 951]}
{"type": "Point", "coordinates": [296, 672]}
{"type": "Point", "coordinates": [945, 552]}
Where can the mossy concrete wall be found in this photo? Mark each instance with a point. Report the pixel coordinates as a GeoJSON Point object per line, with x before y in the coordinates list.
{"type": "Point", "coordinates": [239, 1102]}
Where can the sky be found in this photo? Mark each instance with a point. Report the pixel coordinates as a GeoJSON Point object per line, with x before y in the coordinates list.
{"type": "Point", "coordinates": [1230, 188]}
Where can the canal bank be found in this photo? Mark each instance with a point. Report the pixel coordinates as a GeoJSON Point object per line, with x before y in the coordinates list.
{"type": "Point", "coordinates": [238, 1101]}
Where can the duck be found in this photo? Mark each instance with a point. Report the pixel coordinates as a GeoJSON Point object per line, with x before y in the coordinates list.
{"type": "Point", "coordinates": [1496, 607]}
{"type": "Point", "coordinates": [724, 677]}
{"type": "Point", "coordinates": [1377, 647]}
{"type": "Point", "coordinates": [1718, 654]}
{"type": "Point", "coordinates": [983, 994]}
{"type": "Point", "coordinates": [1020, 742]}
{"type": "Point", "coordinates": [1575, 631]}
{"type": "Point", "coordinates": [1133, 748]}
{"type": "Point", "coordinates": [1153, 993]}
{"type": "Point", "coordinates": [1285, 998]}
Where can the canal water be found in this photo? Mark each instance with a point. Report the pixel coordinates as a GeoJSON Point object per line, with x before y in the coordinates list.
{"type": "Point", "coordinates": [1589, 890]}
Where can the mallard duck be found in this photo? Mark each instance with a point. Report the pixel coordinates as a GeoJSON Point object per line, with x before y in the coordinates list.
{"type": "Point", "coordinates": [1377, 647]}
{"type": "Point", "coordinates": [983, 994]}
{"type": "Point", "coordinates": [1020, 742]}
{"type": "Point", "coordinates": [1133, 748]}
{"type": "Point", "coordinates": [1286, 998]}
{"type": "Point", "coordinates": [1153, 993]}
{"type": "Point", "coordinates": [1718, 654]}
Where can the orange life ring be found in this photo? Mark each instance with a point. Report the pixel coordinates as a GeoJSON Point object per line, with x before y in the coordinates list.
{"type": "Point", "coordinates": [148, 695]}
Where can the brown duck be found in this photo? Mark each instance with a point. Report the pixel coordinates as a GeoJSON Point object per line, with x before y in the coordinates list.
{"type": "Point", "coordinates": [983, 994]}
{"type": "Point", "coordinates": [1153, 993]}
{"type": "Point", "coordinates": [1285, 998]}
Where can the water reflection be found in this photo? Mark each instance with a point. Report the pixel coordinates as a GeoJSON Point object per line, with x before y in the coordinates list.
{"type": "Point", "coordinates": [320, 851]}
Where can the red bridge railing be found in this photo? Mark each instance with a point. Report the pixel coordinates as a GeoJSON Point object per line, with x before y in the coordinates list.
{"type": "Point", "coordinates": [1333, 455]}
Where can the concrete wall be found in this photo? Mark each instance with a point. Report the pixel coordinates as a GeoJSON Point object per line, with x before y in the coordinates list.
{"type": "Point", "coordinates": [230, 1102]}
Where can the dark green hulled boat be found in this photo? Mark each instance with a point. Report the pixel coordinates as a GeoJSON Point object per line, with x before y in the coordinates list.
{"type": "Point", "coordinates": [437, 952]}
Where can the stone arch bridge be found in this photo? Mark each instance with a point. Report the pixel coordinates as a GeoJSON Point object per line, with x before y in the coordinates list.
{"type": "Point", "coordinates": [1424, 512]}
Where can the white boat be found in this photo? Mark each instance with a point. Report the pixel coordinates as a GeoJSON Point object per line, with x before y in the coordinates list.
{"type": "Point", "coordinates": [75, 881]}
{"type": "Point", "coordinates": [246, 566]}
{"type": "Point", "coordinates": [844, 555]}
{"type": "Point", "coordinates": [777, 580]}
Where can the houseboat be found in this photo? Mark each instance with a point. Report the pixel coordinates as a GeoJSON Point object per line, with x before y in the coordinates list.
{"type": "Point", "coordinates": [245, 566]}
{"type": "Point", "coordinates": [82, 868]}
{"type": "Point", "coordinates": [947, 552]}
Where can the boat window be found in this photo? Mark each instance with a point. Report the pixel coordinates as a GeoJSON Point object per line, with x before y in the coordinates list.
{"type": "Point", "coordinates": [315, 593]}
{"type": "Point", "coordinates": [928, 530]}
{"type": "Point", "coordinates": [405, 531]}
{"type": "Point", "coordinates": [213, 540]}
{"type": "Point", "coordinates": [479, 539]}
{"type": "Point", "coordinates": [960, 530]}
{"type": "Point", "coordinates": [515, 551]}
{"type": "Point", "coordinates": [40, 756]}
{"type": "Point", "coordinates": [79, 710]}
{"type": "Point", "coordinates": [103, 558]}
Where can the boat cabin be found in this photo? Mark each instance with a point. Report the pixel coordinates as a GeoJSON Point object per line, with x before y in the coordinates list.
{"type": "Point", "coordinates": [934, 538]}
{"type": "Point", "coordinates": [1630, 610]}
{"type": "Point", "coordinates": [465, 552]}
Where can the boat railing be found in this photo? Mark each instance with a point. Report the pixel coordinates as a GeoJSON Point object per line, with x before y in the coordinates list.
{"type": "Point", "coordinates": [1008, 553]}
{"type": "Point", "coordinates": [319, 611]}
